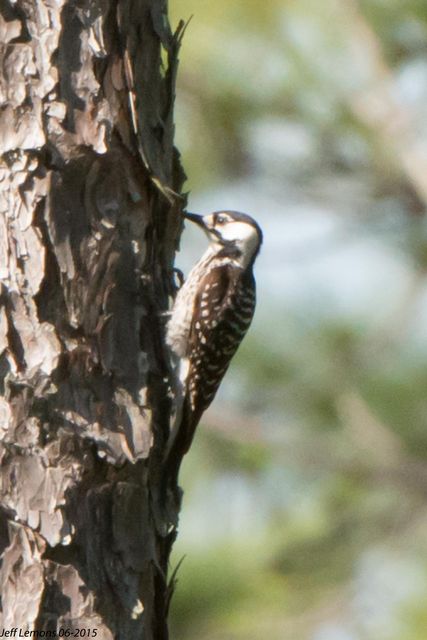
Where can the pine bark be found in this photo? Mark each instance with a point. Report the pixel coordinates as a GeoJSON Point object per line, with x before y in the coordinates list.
{"type": "Point", "coordinates": [88, 229]}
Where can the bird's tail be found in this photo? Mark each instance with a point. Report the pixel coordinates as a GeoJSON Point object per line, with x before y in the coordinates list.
{"type": "Point", "coordinates": [180, 441]}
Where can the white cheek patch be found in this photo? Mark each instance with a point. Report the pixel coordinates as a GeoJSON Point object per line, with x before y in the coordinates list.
{"type": "Point", "coordinates": [244, 235]}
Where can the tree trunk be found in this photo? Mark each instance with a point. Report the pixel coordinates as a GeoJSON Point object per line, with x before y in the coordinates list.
{"type": "Point", "coordinates": [89, 225]}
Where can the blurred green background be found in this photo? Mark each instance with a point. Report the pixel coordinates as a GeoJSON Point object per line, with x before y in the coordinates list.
{"type": "Point", "coordinates": [305, 506]}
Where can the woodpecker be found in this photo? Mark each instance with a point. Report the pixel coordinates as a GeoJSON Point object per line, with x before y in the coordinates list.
{"type": "Point", "coordinates": [210, 316]}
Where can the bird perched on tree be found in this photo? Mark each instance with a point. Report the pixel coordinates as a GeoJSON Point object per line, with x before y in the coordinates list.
{"type": "Point", "coordinates": [210, 316]}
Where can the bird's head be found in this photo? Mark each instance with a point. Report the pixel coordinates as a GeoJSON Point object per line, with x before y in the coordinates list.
{"type": "Point", "coordinates": [231, 231]}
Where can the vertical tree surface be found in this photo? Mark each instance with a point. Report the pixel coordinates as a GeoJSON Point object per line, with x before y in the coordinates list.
{"type": "Point", "coordinates": [88, 229]}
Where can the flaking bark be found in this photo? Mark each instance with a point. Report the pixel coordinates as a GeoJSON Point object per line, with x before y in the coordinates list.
{"type": "Point", "coordinates": [88, 229]}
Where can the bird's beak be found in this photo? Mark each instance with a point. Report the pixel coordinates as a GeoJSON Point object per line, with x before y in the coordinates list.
{"type": "Point", "coordinates": [195, 218]}
{"type": "Point", "coordinates": [203, 223]}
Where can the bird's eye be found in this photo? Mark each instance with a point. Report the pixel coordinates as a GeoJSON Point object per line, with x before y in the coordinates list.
{"type": "Point", "coordinates": [221, 219]}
